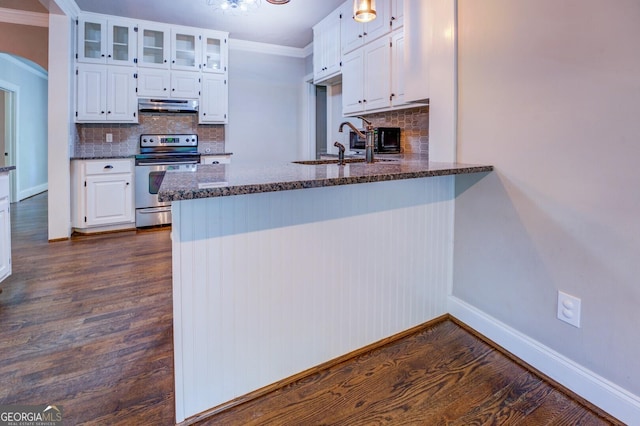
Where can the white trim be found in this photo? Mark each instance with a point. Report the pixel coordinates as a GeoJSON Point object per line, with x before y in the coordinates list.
{"type": "Point", "coordinates": [64, 7]}
{"type": "Point", "coordinates": [30, 192]}
{"type": "Point", "coordinates": [38, 73]}
{"type": "Point", "coordinates": [308, 50]}
{"type": "Point", "coordinates": [307, 149]}
{"type": "Point", "coordinates": [23, 17]}
{"type": "Point", "coordinates": [605, 394]}
{"type": "Point", "coordinates": [270, 49]}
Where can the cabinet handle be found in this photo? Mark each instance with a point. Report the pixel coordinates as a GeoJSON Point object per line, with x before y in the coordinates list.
{"type": "Point", "coordinates": [108, 167]}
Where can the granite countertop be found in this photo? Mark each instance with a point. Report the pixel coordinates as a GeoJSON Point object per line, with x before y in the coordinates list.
{"type": "Point", "coordinates": [6, 169]}
{"type": "Point", "coordinates": [218, 180]}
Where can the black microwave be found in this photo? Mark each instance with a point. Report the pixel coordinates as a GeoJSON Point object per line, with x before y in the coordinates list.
{"type": "Point", "coordinates": [385, 140]}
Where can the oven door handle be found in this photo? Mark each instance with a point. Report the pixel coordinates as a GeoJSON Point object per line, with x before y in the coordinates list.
{"type": "Point", "coordinates": [174, 163]}
{"type": "Point", "coordinates": [154, 210]}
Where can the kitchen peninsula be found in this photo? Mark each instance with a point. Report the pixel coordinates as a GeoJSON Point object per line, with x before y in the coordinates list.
{"type": "Point", "coordinates": [280, 268]}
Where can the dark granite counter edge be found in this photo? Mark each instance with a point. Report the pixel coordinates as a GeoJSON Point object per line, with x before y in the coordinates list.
{"type": "Point", "coordinates": [191, 194]}
{"type": "Point", "coordinates": [7, 169]}
{"type": "Point", "coordinates": [105, 157]}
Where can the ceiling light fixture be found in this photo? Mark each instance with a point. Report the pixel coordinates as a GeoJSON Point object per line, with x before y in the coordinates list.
{"type": "Point", "coordinates": [364, 10]}
{"type": "Point", "coordinates": [234, 6]}
{"type": "Point", "coordinates": [278, 1]}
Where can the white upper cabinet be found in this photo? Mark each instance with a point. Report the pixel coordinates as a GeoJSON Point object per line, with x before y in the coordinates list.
{"type": "Point", "coordinates": [366, 78]}
{"type": "Point", "coordinates": [356, 34]}
{"type": "Point", "coordinates": [213, 101]}
{"type": "Point", "coordinates": [418, 47]}
{"type": "Point", "coordinates": [105, 93]}
{"type": "Point", "coordinates": [397, 69]}
{"type": "Point", "coordinates": [214, 52]}
{"type": "Point", "coordinates": [185, 50]}
{"type": "Point", "coordinates": [327, 57]}
{"type": "Point", "coordinates": [153, 46]}
{"type": "Point", "coordinates": [106, 41]}
{"type": "Point", "coordinates": [168, 84]}
{"type": "Point", "coordinates": [397, 14]}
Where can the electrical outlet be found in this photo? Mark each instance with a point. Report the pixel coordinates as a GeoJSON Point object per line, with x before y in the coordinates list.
{"type": "Point", "coordinates": [109, 137]}
{"type": "Point", "coordinates": [569, 309]}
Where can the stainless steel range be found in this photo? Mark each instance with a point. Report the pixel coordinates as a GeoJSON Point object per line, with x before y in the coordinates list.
{"type": "Point", "coordinates": [157, 153]}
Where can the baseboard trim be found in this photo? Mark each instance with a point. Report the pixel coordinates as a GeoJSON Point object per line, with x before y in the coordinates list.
{"type": "Point", "coordinates": [601, 392]}
{"type": "Point", "coordinates": [34, 190]}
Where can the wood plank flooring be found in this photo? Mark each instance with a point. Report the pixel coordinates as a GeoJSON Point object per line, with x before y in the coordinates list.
{"type": "Point", "coordinates": [86, 324]}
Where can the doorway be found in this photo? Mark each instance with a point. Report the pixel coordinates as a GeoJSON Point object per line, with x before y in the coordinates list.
{"type": "Point", "coordinates": [8, 112]}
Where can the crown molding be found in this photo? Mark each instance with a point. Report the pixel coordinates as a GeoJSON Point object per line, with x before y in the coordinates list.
{"type": "Point", "coordinates": [23, 17]}
{"type": "Point", "coordinates": [271, 49]}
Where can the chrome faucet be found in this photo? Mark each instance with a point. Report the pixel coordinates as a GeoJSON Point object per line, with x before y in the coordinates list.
{"type": "Point", "coordinates": [340, 152]}
{"type": "Point", "coordinates": [368, 135]}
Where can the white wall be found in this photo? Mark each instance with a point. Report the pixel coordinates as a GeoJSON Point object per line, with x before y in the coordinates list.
{"type": "Point", "coordinates": [264, 106]}
{"type": "Point", "coordinates": [549, 93]}
{"type": "Point", "coordinates": [30, 87]}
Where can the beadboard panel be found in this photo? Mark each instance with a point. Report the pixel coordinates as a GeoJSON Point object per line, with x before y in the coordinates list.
{"type": "Point", "coordinates": [269, 285]}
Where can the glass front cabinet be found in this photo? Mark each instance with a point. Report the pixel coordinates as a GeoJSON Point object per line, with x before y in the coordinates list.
{"type": "Point", "coordinates": [106, 41]}
{"type": "Point", "coordinates": [214, 52]}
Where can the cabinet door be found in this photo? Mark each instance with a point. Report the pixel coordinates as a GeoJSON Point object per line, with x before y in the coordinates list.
{"type": "Point", "coordinates": [154, 83]}
{"type": "Point", "coordinates": [327, 54]}
{"type": "Point", "coordinates": [121, 40]}
{"type": "Point", "coordinates": [213, 101]}
{"type": "Point", "coordinates": [185, 50]}
{"type": "Point", "coordinates": [352, 32]}
{"type": "Point", "coordinates": [377, 74]}
{"type": "Point", "coordinates": [397, 14]}
{"type": "Point", "coordinates": [382, 24]}
{"type": "Point", "coordinates": [121, 95]}
{"type": "Point", "coordinates": [92, 93]}
{"type": "Point", "coordinates": [214, 53]}
{"type": "Point", "coordinates": [109, 199]}
{"type": "Point", "coordinates": [352, 82]}
{"type": "Point", "coordinates": [185, 85]}
{"type": "Point", "coordinates": [5, 228]}
{"type": "Point", "coordinates": [92, 40]}
{"type": "Point", "coordinates": [153, 47]}
{"type": "Point", "coordinates": [397, 68]}
{"type": "Point", "coordinates": [417, 45]}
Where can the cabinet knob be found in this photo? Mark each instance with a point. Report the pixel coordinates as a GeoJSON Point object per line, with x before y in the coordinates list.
{"type": "Point", "coordinates": [102, 55]}
{"type": "Point", "coordinates": [165, 61]}
{"type": "Point", "coordinates": [127, 183]}
{"type": "Point", "coordinates": [109, 56]}
{"type": "Point", "coordinates": [365, 34]}
{"type": "Point", "coordinates": [108, 112]}
{"type": "Point", "coordinates": [101, 112]}
{"type": "Point", "coordinates": [359, 35]}
{"type": "Point", "coordinates": [173, 62]}
{"type": "Point", "coordinates": [108, 167]}
{"type": "Point", "coordinates": [359, 102]}
{"type": "Point", "coordinates": [165, 89]}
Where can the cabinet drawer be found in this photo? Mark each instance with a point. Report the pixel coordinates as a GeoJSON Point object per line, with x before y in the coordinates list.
{"type": "Point", "coordinates": [215, 159]}
{"type": "Point", "coordinates": [100, 167]}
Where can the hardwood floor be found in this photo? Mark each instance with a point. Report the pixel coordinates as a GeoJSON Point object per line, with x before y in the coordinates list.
{"type": "Point", "coordinates": [86, 324]}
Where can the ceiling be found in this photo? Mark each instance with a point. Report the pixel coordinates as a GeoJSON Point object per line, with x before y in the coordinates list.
{"type": "Point", "coordinates": [285, 25]}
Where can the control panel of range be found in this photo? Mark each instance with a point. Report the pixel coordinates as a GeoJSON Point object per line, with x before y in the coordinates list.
{"type": "Point", "coordinates": [149, 141]}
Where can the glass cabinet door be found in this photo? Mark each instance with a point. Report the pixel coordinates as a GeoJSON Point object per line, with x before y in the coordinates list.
{"type": "Point", "coordinates": [92, 41]}
{"type": "Point", "coordinates": [185, 51]}
{"type": "Point", "coordinates": [120, 43]}
{"type": "Point", "coordinates": [214, 54]}
{"type": "Point", "coordinates": [152, 48]}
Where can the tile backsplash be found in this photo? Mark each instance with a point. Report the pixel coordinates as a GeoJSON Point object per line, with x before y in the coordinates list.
{"type": "Point", "coordinates": [91, 138]}
{"type": "Point", "coordinates": [414, 122]}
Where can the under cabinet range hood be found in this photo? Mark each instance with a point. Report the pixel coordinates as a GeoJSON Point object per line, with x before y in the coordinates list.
{"type": "Point", "coordinates": [167, 105]}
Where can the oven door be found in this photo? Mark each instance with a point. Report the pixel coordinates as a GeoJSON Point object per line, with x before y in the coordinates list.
{"type": "Point", "coordinates": [149, 175]}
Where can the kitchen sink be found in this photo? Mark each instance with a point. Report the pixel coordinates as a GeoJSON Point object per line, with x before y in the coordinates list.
{"type": "Point", "coordinates": [335, 161]}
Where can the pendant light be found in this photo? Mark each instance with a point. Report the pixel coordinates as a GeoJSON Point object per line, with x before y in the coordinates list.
{"type": "Point", "coordinates": [364, 10]}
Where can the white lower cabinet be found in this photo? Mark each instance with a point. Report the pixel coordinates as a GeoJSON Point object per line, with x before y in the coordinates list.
{"type": "Point", "coordinates": [5, 227]}
{"type": "Point", "coordinates": [102, 194]}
